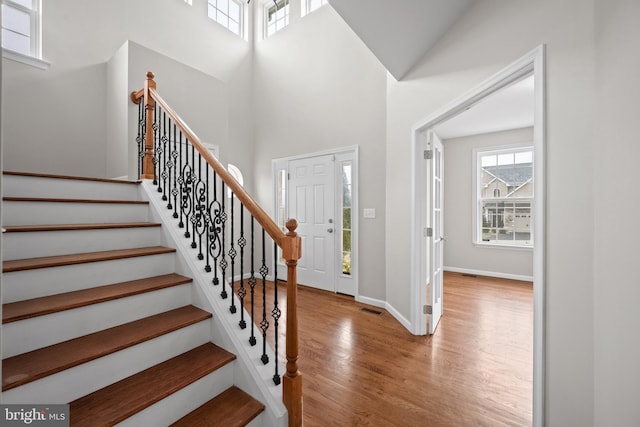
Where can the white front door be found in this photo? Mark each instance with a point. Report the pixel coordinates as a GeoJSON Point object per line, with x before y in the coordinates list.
{"type": "Point", "coordinates": [312, 204]}
{"type": "Point", "coordinates": [435, 232]}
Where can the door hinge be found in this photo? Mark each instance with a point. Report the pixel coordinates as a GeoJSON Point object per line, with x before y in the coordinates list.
{"type": "Point", "coordinates": [288, 176]}
{"type": "Point", "coordinates": [428, 232]}
{"type": "Point", "coordinates": [427, 309]}
{"type": "Point", "coordinates": [428, 154]}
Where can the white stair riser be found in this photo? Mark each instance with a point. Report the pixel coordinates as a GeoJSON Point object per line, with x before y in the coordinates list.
{"type": "Point", "coordinates": [80, 380]}
{"type": "Point", "coordinates": [21, 285]}
{"type": "Point", "coordinates": [182, 402]}
{"type": "Point", "coordinates": [31, 334]}
{"type": "Point", "coordinates": [29, 186]}
{"type": "Point", "coordinates": [37, 213]}
{"type": "Point", "coordinates": [50, 243]}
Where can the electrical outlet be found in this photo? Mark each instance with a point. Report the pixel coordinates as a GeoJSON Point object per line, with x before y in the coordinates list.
{"type": "Point", "coordinates": [369, 213]}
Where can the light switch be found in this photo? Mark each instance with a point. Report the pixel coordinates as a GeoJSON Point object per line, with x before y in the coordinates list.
{"type": "Point", "coordinates": [369, 213]}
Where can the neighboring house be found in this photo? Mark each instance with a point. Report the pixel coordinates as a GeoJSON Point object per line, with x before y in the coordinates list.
{"type": "Point", "coordinates": [314, 85]}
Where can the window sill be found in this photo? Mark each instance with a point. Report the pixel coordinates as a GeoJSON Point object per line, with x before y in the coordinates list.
{"type": "Point", "coordinates": [502, 246]}
{"type": "Point", "coordinates": [25, 59]}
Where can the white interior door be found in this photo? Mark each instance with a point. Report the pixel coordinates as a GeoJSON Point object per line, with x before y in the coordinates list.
{"type": "Point", "coordinates": [435, 232]}
{"type": "Point", "coordinates": [312, 204]}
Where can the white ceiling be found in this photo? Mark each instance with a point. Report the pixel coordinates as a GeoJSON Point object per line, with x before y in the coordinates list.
{"type": "Point", "coordinates": [509, 108]}
{"type": "Point", "coordinates": [399, 32]}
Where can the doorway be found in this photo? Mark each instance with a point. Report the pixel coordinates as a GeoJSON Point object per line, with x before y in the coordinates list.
{"type": "Point", "coordinates": [530, 64]}
{"type": "Point", "coordinates": [320, 190]}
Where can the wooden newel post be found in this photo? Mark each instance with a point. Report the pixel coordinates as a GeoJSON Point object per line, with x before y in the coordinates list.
{"type": "Point", "coordinates": [292, 381]}
{"type": "Point", "coordinates": [148, 168]}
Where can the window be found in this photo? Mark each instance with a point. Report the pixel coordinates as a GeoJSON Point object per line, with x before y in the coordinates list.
{"type": "Point", "coordinates": [505, 197]}
{"type": "Point", "coordinates": [235, 172]}
{"type": "Point", "coordinates": [276, 16]}
{"type": "Point", "coordinates": [21, 27]}
{"type": "Point", "coordinates": [346, 211]}
{"type": "Point", "coordinates": [227, 13]}
{"type": "Point", "coordinates": [311, 5]}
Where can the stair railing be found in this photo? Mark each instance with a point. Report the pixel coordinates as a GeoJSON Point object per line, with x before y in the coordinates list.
{"type": "Point", "coordinates": [195, 185]}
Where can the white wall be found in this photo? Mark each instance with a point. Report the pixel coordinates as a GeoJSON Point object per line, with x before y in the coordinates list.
{"type": "Point", "coordinates": [318, 87]}
{"type": "Point", "coordinates": [617, 277]}
{"type": "Point", "coordinates": [60, 113]}
{"type": "Point", "coordinates": [459, 251]}
{"type": "Point", "coordinates": [490, 36]}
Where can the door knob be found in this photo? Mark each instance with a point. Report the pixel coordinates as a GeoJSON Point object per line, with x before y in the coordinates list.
{"type": "Point", "coordinates": [329, 230]}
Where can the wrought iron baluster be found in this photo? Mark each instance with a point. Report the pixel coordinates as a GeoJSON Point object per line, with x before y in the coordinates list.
{"type": "Point", "coordinates": [176, 169]}
{"type": "Point", "coordinates": [215, 229]}
{"type": "Point", "coordinates": [223, 261]}
{"type": "Point", "coordinates": [140, 137]}
{"type": "Point", "coordinates": [264, 324]}
{"type": "Point", "coordinates": [232, 257]}
{"type": "Point", "coordinates": [187, 193]}
{"type": "Point", "coordinates": [242, 291]}
{"type": "Point", "coordinates": [208, 220]}
{"type": "Point", "coordinates": [163, 159]}
{"type": "Point", "coordinates": [181, 182]}
{"type": "Point", "coordinates": [276, 313]}
{"type": "Point", "coordinates": [252, 286]}
{"type": "Point", "coordinates": [156, 143]}
{"type": "Point", "coordinates": [200, 213]}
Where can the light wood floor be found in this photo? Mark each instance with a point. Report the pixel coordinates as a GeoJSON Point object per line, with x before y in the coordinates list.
{"type": "Point", "coordinates": [363, 369]}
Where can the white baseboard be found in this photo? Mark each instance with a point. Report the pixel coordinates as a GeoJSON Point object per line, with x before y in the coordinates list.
{"type": "Point", "coordinates": [383, 304]}
{"type": "Point", "coordinates": [489, 273]}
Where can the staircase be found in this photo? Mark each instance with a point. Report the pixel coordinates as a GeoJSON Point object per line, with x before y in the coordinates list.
{"type": "Point", "coordinates": [95, 315]}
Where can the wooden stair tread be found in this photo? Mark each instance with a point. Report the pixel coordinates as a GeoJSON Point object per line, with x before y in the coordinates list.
{"type": "Point", "coordinates": [70, 227]}
{"type": "Point", "coordinates": [27, 309]}
{"type": "Point", "coordinates": [77, 178]}
{"type": "Point", "coordinates": [68, 200]}
{"type": "Point", "coordinates": [71, 259]}
{"type": "Point", "coordinates": [36, 364]}
{"type": "Point", "coordinates": [129, 396]}
{"type": "Point", "coordinates": [231, 408]}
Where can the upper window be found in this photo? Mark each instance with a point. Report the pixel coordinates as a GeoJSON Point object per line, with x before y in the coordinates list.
{"type": "Point", "coordinates": [276, 16]}
{"type": "Point", "coordinates": [311, 5]}
{"type": "Point", "coordinates": [505, 197]}
{"type": "Point", "coordinates": [21, 27]}
{"type": "Point", "coordinates": [227, 13]}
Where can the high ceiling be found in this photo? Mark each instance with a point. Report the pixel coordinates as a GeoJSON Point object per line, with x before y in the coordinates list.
{"type": "Point", "coordinates": [399, 32]}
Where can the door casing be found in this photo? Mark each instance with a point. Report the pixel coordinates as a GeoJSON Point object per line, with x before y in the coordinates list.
{"type": "Point", "coordinates": [533, 63]}
{"type": "Point", "coordinates": [346, 284]}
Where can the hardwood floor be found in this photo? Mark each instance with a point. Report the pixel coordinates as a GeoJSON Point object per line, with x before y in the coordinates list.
{"type": "Point", "coordinates": [365, 369]}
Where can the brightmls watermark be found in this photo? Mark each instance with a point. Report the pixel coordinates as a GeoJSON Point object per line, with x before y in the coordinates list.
{"type": "Point", "coordinates": [34, 415]}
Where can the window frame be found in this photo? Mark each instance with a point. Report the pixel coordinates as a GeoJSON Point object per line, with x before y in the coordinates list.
{"type": "Point", "coordinates": [241, 23]}
{"type": "Point", "coordinates": [268, 4]}
{"type": "Point", "coordinates": [34, 58]}
{"type": "Point", "coordinates": [478, 200]}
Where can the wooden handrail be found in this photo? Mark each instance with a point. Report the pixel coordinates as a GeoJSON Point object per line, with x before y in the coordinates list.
{"type": "Point", "coordinates": [290, 243]}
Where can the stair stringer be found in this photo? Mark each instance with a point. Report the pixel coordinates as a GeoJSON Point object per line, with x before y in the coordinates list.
{"type": "Point", "coordinates": [250, 374]}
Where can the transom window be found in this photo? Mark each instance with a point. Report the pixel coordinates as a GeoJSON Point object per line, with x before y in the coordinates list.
{"type": "Point", "coordinates": [311, 5]}
{"type": "Point", "coordinates": [276, 16]}
{"type": "Point", "coordinates": [227, 13]}
{"type": "Point", "coordinates": [505, 197]}
{"type": "Point", "coordinates": [21, 27]}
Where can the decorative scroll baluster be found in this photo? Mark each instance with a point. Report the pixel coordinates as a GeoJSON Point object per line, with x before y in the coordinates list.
{"type": "Point", "coordinates": [215, 229]}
